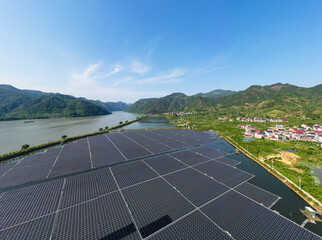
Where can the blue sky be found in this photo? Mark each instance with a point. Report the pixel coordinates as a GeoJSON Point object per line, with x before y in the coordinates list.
{"type": "Point", "coordinates": [127, 50]}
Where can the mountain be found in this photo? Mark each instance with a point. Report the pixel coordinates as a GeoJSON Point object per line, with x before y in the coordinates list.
{"type": "Point", "coordinates": [111, 106]}
{"type": "Point", "coordinates": [277, 100]}
{"type": "Point", "coordinates": [29, 104]}
{"type": "Point", "coordinates": [216, 93]}
{"type": "Point", "coordinates": [171, 103]}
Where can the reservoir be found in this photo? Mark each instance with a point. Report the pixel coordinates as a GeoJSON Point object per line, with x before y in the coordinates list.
{"type": "Point", "coordinates": [13, 134]}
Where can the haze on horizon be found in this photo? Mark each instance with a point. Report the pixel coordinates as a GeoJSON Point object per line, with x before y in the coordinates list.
{"type": "Point", "coordinates": [112, 50]}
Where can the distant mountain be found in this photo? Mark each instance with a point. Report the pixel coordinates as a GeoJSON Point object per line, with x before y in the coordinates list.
{"type": "Point", "coordinates": [282, 100]}
{"type": "Point", "coordinates": [171, 103]}
{"type": "Point", "coordinates": [277, 100]}
{"type": "Point", "coordinates": [29, 104]}
{"type": "Point", "coordinates": [111, 106]}
{"type": "Point", "coordinates": [216, 93]}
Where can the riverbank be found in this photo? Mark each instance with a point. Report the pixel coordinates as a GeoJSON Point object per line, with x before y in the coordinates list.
{"type": "Point", "coordinates": [300, 192]}
{"type": "Point", "coordinates": [23, 152]}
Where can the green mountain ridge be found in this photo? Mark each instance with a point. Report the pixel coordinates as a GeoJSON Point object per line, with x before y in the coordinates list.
{"type": "Point", "coordinates": [29, 104]}
{"type": "Point", "coordinates": [277, 100]}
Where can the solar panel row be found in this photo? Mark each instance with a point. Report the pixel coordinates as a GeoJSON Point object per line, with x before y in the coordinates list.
{"type": "Point", "coordinates": [27, 203]}
{"type": "Point", "coordinates": [257, 194]}
{"type": "Point", "coordinates": [246, 219]}
{"type": "Point", "coordinates": [73, 157]}
{"type": "Point", "coordinates": [223, 173]}
{"type": "Point", "coordinates": [87, 186]}
{"type": "Point", "coordinates": [103, 151]}
{"type": "Point", "coordinates": [186, 228]}
{"type": "Point", "coordinates": [104, 217]}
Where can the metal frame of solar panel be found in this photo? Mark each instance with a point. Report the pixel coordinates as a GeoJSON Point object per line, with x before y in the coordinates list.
{"type": "Point", "coordinates": [5, 167]}
{"type": "Point", "coordinates": [149, 144]}
{"type": "Point", "coordinates": [209, 152]}
{"type": "Point", "coordinates": [189, 157]}
{"type": "Point", "coordinates": [244, 218]}
{"type": "Point", "coordinates": [106, 217]}
{"type": "Point", "coordinates": [127, 147]}
{"type": "Point", "coordinates": [195, 186]}
{"type": "Point", "coordinates": [103, 151]}
{"type": "Point", "coordinates": [74, 157]}
{"type": "Point", "coordinates": [164, 164]}
{"type": "Point", "coordinates": [24, 204]}
{"type": "Point", "coordinates": [87, 186]}
{"type": "Point", "coordinates": [132, 173]}
{"type": "Point", "coordinates": [154, 204]}
{"type": "Point", "coordinates": [186, 228]}
{"type": "Point", "coordinates": [223, 173]}
{"type": "Point", "coordinates": [37, 229]}
{"type": "Point", "coordinates": [228, 161]}
{"type": "Point", "coordinates": [258, 194]}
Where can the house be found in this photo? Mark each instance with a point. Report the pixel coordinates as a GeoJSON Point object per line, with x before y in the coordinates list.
{"type": "Point", "coordinates": [241, 125]}
{"type": "Point", "coordinates": [279, 126]}
{"type": "Point", "coordinates": [258, 135]}
{"type": "Point", "coordinates": [231, 119]}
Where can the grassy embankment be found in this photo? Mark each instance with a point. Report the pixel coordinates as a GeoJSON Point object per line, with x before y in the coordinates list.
{"type": "Point", "coordinates": [260, 150]}
{"type": "Point", "coordinates": [23, 152]}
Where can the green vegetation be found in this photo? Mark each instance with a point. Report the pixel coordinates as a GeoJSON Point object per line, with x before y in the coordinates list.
{"type": "Point", "coordinates": [27, 104]}
{"type": "Point", "coordinates": [277, 100]}
{"type": "Point", "coordinates": [216, 93]}
{"type": "Point", "coordinates": [64, 137]}
{"type": "Point", "coordinates": [111, 106]}
{"type": "Point", "coordinates": [25, 146]}
{"type": "Point", "coordinates": [309, 152]}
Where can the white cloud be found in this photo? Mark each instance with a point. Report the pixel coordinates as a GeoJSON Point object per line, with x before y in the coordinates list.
{"type": "Point", "coordinates": [167, 77]}
{"type": "Point", "coordinates": [90, 75]}
{"type": "Point", "coordinates": [139, 68]}
{"type": "Point", "coordinates": [214, 65]}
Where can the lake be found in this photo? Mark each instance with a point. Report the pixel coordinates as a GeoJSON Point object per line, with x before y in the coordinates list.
{"type": "Point", "coordinates": [13, 134]}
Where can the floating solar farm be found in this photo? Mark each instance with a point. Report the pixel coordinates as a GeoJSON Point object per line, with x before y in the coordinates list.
{"type": "Point", "coordinates": [142, 184]}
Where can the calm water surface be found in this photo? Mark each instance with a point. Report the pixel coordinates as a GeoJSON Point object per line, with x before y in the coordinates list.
{"type": "Point", "coordinates": [13, 134]}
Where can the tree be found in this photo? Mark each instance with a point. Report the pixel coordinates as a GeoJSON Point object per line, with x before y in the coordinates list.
{"type": "Point", "coordinates": [64, 137]}
{"type": "Point", "coordinates": [120, 122]}
{"type": "Point", "coordinates": [126, 121]}
{"type": "Point", "coordinates": [25, 146]}
{"type": "Point", "coordinates": [101, 129]}
{"type": "Point", "coordinates": [106, 127]}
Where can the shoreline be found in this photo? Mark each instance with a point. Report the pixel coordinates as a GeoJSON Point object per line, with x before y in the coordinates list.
{"type": "Point", "coordinates": [313, 202]}
{"type": "Point", "coordinates": [12, 155]}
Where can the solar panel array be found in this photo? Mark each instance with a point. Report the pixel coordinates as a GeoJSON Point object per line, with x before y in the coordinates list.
{"type": "Point", "coordinates": [132, 190]}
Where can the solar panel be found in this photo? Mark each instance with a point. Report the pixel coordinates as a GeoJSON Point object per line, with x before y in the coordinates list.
{"type": "Point", "coordinates": [27, 203]}
{"type": "Point", "coordinates": [128, 148]}
{"type": "Point", "coordinates": [103, 218]}
{"type": "Point", "coordinates": [228, 161]}
{"type": "Point", "coordinates": [246, 219]}
{"type": "Point", "coordinates": [164, 164]}
{"type": "Point", "coordinates": [87, 186]}
{"type": "Point", "coordinates": [19, 175]}
{"type": "Point", "coordinates": [223, 173]}
{"type": "Point", "coordinates": [209, 152]}
{"type": "Point", "coordinates": [197, 187]}
{"type": "Point", "coordinates": [37, 229]}
{"type": "Point", "coordinates": [155, 204]}
{"type": "Point", "coordinates": [103, 152]}
{"type": "Point", "coordinates": [194, 226]}
{"type": "Point", "coordinates": [4, 167]}
{"type": "Point", "coordinates": [189, 157]}
{"type": "Point", "coordinates": [132, 173]}
{"type": "Point", "coordinates": [74, 157]}
{"type": "Point", "coordinates": [258, 194]}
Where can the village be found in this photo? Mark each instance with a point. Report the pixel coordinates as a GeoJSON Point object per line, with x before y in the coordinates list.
{"type": "Point", "coordinates": [279, 132]}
